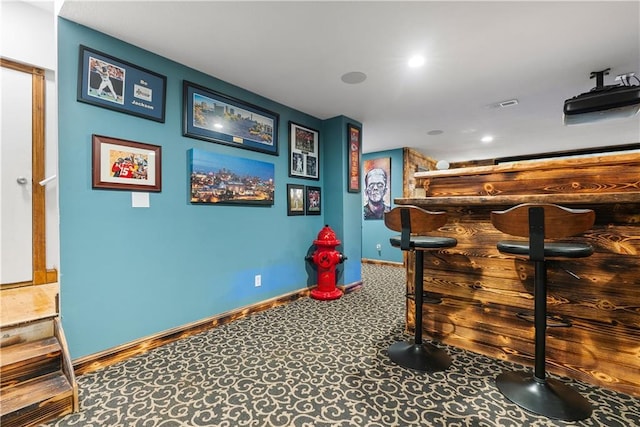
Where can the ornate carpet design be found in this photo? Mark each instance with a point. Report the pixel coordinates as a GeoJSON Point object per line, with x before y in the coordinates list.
{"type": "Point", "coordinates": [315, 363]}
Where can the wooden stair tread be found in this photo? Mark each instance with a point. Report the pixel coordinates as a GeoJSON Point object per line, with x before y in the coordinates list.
{"type": "Point", "coordinates": [29, 350]}
{"type": "Point", "coordinates": [51, 387]}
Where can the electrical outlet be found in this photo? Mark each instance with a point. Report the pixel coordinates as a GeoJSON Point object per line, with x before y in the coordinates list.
{"type": "Point", "coordinates": [379, 247]}
{"type": "Point", "coordinates": [258, 280]}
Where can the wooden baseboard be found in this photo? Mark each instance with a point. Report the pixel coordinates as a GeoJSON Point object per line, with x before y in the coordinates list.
{"type": "Point", "coordinates": [382, 262]}
{"type": "Point", "coordinates": [350, 287]}
{"type": "Point", "coordinates": [93, 362]}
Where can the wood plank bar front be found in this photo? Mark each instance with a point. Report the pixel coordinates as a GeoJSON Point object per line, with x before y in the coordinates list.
{"type": "Point", "coordinates": [483, 290]}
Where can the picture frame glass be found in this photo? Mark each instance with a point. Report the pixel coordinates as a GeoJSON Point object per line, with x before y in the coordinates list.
{"type": "Point", "coordinates": [313, 200]}
{"type": "Point", "coordinates": [295, 200]}
{"type": "Point", "coordinates": [212, 116]}
{"type": "Point", "coordinates": [112, 83]}
{"type": "Point", "coordinates": [125, 165]}
{"type": "Point", "coordinates": [354, 143]}
{"type": "Point", "coordinates": [304, 152]}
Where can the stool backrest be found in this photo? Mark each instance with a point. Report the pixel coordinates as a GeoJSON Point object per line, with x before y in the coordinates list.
{"type": "Point", "coordinates": [413, 220]}
{"type": "Point", "coordinates": [558, 221]}
{"type": "Point", "coordinates": [420, 220]}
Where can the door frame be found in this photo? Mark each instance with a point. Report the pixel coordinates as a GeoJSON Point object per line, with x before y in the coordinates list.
{"type": "Point", "coordinates": [40, 274]}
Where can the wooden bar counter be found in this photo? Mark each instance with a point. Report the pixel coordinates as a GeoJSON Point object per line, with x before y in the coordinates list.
{"type": "Point", "coordinates": [482, 290]}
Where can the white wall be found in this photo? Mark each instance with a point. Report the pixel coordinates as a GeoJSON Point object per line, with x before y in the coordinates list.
{"type": "Point", "coordinates": [28, 36]}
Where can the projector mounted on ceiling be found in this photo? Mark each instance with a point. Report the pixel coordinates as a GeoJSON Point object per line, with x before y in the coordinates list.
{"type": "Point", "coordinates": [603, 102]}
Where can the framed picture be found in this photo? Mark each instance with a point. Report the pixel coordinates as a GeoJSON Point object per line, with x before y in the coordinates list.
{"type": "Point", "coordinates": [125, 165]}
{"type": "Point", "coordinates": [221, 179]}
{"type": "Point", "coordinates": [295, 199]}
{"type": "Point", "coordinates": [377, 188]}
{"type": "Point", "coordinates": [313, 200]}
{"type": "Point", "coordinates": [355, 148]}
{"type": "Point", "coordinates": [212, 116]}
{"type": "Point", "coordinates": [304, 152]}
{"type": "Point", "coordinates": [105, 81]}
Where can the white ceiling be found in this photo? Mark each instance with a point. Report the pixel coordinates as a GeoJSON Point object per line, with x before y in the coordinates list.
{"type": "Point", "coordinates": [477, 53]}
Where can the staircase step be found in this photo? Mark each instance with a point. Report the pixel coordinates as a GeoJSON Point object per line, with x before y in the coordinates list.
{"type": "Point", "coordinates": [21, 362]}
{"type": "Point", "coordinates": [36, 401]}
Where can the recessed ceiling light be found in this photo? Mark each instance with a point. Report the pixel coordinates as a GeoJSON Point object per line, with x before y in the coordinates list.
{"type": "Point", "coordinates": [416, 61]}
{"type": "Point", "coordinates": [487, 139]}
{"type": "Point", "coordinates": [354, 77]}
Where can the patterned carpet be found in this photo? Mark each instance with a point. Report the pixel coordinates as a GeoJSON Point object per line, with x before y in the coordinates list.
{"type": "Point", "coordinates": [315, 363]}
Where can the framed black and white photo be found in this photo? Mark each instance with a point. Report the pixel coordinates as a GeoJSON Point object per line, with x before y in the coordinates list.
{"type": "Point", "coordinates": [212, 116]}
{"type": "Point", "coordinates": [304, 152]}
{"type": "Point", "coordinates": [108, 82]}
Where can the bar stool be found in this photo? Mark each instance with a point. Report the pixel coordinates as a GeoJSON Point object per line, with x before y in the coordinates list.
{"type": "Point", "coordinates": [537, 393]}
{"type": "Point", "coordinates": [413, 222]}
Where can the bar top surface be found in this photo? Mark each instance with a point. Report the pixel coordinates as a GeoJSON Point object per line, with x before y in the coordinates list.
{"type": "Point", "coordinates": [565, 198]}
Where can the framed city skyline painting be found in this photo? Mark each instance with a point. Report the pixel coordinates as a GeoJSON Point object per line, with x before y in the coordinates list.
{"type": "Point", "coordinates": [221, 179]}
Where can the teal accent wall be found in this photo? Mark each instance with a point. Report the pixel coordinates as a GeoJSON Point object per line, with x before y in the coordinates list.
{"type": "Point", "coordinates": [127, 273]}
{"type": "Point", "coordinates": [374, 231]}
{"type": "Point", "coordinates": [342, 207]}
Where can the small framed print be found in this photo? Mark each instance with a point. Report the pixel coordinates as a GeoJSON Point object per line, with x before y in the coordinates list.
{"type": "Point", "coordinates": [304, 152]}
{"type": "Point", "coordinates": [125, 165]}
{"type": "Point", "coordinates": [354, 139]}
{"type": "Point", "coordinates": [295, 199]}
{"type": "Point", "coordinates": [313, 200]}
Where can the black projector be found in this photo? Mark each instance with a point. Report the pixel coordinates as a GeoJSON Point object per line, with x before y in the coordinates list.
{"type": "Point", "coordinates": [601, 99]}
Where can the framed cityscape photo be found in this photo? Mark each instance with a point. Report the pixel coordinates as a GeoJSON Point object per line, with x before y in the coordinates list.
{"type": "Point", "coordinates": [212, 116]}
{"type": "Point", "coordinates": [221, 179]}
{"type": "Point", "coordinates": [304, 152]}
{"type": "Point", "coordinates": [313, 200]}
{"type": "Point", "coordinates": [295, 199]}
{"type": "Point", "coordinates": [108, 82]}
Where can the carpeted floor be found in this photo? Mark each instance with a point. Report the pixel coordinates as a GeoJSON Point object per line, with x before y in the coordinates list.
{"type": "Point", "coordinates": [315, 363]}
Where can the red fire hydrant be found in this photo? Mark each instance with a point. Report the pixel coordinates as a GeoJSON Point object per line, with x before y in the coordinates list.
{"type": "Point", "coordinates": [326, 258]}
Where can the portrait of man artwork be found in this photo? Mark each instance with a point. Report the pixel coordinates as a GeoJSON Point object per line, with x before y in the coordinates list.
{"type": "Point", "coordinates": [377, 184]}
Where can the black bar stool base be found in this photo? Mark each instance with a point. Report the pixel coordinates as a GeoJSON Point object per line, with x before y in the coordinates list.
{"type": "Point", "coordinates": [550, 398]}
{"type": "Point", "coordinates": [421, 357]}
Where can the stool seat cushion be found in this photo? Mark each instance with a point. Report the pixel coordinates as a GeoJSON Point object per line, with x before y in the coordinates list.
{"type": "Point", "coordinates": [426, 242]}
{"type": "Point", "coordinates": [551, 249]}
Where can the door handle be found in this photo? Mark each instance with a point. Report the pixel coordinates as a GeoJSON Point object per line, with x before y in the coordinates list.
{"type": "Point", "coordinates": [22, 180]}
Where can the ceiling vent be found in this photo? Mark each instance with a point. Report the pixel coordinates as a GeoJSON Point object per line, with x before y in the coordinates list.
{"type": "Point", "coordinates": [603, 102]}
{"type": "Point", "coordinates": [509, 103]}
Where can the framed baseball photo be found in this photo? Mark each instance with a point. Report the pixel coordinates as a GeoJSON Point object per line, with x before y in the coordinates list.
{"type": "Point", "coordinates": [304, 152]}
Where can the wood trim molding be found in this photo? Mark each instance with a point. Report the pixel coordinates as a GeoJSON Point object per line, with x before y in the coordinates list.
{"type": "Point", "coordinates": [382, 262]}
{"type": "Point", "coordinates": [40, 275]}
{"type": "Point", "coordinates": [93, 362]}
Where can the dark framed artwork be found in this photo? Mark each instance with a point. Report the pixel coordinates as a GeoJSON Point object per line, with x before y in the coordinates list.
{"type": "Point", "coordinates": [215, 117]}
{"type": "Point", "coordinates": [295, 199]}
{"type": "Point", "coordinates": [313, 200]}
{"type": "Point", "coordinates": [354, 138]}
{"type": "Point", "coordinates": [108, 82]}
{"type": "Point", "coordinates": [118, 164]}
{"type": "Point", "coordinates": [377, 188]}
{"type": "Point", "coordinates": [221, 179]}
{"type": "Point", "coordinates": [304, 152]}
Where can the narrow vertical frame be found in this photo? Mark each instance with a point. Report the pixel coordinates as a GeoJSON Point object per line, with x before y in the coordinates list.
{"type": "Point", "coordinates": [354, 143]}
